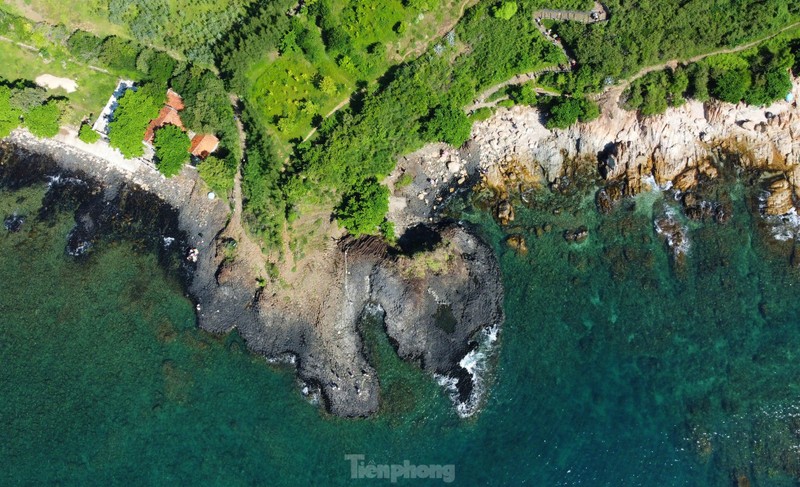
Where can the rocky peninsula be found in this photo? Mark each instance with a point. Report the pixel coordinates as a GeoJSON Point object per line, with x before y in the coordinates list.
{"type": "Point", "coordinates": [436, 291]}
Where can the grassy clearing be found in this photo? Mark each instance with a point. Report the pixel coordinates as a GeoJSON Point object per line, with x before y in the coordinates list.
{"type": "Point", "coordinates": [94, 87]}
{"type": "Point", "coordinates": [290, 92]}
{"type": "Point", "coordinates": [88, 15]}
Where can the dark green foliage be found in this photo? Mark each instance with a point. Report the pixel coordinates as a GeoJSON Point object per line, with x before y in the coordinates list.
{"type": "Point", "coordinates": [172, 149]}
{"type": "Point", "coordinates": [768, 87]}
{"type": "Point", "coordinates": [158, 66]}
{"type": "Point", "coordinates": [218, 173]}
{"type": "Point", "coordinates": [565, 111]}
{"type": "Point", "coordinates": [699, 76]}
{"type": "Point", "coordinates": [86, 134]}
{"type": "Point", "coordinates": [261, 30]}
{"type": "Point", "coordinates": [264, 203]}
{"type": "Point", "coordinates": [119, 54]}
{"type": "Point", "coordinates": [363, 208]}
{"type": "Point", "coordinates": [448, 124]}
{"type": "Point", "coordinates": [26, 97]}
{"type": "Point", "coordinates": [85, 46]}
{"type": "Point", "coordinates": [730, 85]}
{"type": "Point", "coordinates": [9, 115]}
{"type": "Point", "coordinates": [649, 31]}
{"type": "Point", "coordinates": [43, 120]}
{"type": "Point", "coordinates": [652, 93]}
{"type": "Point", "coordinates": [135, 110]}
{"type": "Point", "coordinates": [524, 94]}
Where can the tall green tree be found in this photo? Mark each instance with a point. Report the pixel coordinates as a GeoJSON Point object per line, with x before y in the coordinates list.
{"type": "Point", "coordinates": [172, 149]}
{"type": "Point", "coordinates": [9, 115]}
{"type": "Point", "coordinates": [363, 208]}
{"type": "Point", "coordinates": [135, 110]}
{"type": "Point", "coordinates": [43, 120]}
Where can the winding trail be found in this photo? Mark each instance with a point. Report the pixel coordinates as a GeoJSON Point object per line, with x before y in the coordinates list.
{"type": "Point", "coordinates": [612, 94]}
{"type": "Point", "coordinates": [335, 109]}
{"type": "Point", "coordinates": [247, 248]}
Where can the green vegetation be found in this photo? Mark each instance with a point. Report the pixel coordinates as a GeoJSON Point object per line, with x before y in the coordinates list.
{"type": "Point", "coordinates": [403, 181]}
{"type": "Point", "coordinates": [9, 115]}
{"type": "Point", "coordinates": [172, 149]}
{"type": "Point", "coordinates": [505, 10]}
{"type": "Point", "coordinates": [218, 174]}
{"type": "Point", "coordinates": [86, 134]}
{"type": "Point", "coordinates": [524, 94]}
{"type": "Point", "coordinates": [758, 76]}
{"type": "Point", "coordinates": [363, 208]}
{"type": "Point", "coordinates": [131, 118]}
{"type": "Point", "coordinates": [43, 120]}
{"type": "Point", "coordinates": [190, 27]}
{"type": "Point", "coordinates": [565, 111]}
{"type": "Point", "coordinates": [448, 124]}
{"type": "Point", "coordinates": [648, 32]}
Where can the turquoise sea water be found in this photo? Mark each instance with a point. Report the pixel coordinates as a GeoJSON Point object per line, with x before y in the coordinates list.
{"type": "Point", "coordinates": [615, 367]}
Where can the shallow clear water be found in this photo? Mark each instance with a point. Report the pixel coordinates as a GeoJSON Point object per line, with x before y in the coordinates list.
{"type": "Point", "coordinates": [615, 367]}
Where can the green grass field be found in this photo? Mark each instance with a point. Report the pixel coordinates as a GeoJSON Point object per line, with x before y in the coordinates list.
{"type": "Point", "coordinates": [88, 15]}
{"type": "Point", "coordinates": [287, 89]}
{"type": "Point", "coordinates": [288, 92]}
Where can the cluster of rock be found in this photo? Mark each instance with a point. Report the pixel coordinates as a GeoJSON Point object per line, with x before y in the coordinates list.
{"type": "Point", "coordinates": [671, 150]}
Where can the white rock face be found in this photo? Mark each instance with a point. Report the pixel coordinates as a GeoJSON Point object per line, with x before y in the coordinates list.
{"type": "Point", "coordinates": [671, 142]}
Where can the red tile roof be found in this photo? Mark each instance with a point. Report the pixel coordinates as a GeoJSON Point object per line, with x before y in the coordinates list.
{"type": "Point", "coordinates": [203, 145]}
{"type": "Point", "coordinates": [174, 100]}
{"type": "Point", "coordinates": [165, 116]}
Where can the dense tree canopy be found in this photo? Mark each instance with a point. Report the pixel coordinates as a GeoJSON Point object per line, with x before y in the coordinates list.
{"type": "Point", "coordinates": [43, 120]}
{"type": "Point", "coordinates": [86, 134]}
{"type": "Point", "coordinates": [9, 115]}
{"type": "Point", "coordinates": [131, 118]}
{"type": "Point", "coordinates": [172, 149]}
{"type": "Point", "coordinates": [363, 208]}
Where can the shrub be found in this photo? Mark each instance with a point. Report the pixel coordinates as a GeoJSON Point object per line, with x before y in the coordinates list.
{"type": "Point", "coordinates": [9, 115]}
{"type": "Point", "coordinates": [218, 173]}
{"type": "Point", "coordinates": [43, 120]}
{"type": "Point", "coordinates": [448, 124]}
{"type": "Point", "coordinates": [363, 208]}
{"type": "Point", "coordinates": [172, 149]}
{"type": "Point", "coordinates": [86, 134]}
{"type": "Point", "coordinates": [505, 10]}
{"type": "Point", "coordinates": [84, 46]}
{"type": "Point", "coordinates": [566, 111]}
{"type": "Point", "coordinates": [731, 85]}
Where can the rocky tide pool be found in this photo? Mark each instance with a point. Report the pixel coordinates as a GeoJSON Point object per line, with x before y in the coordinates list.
{"type": "Point", "coordinates": [621, 363]}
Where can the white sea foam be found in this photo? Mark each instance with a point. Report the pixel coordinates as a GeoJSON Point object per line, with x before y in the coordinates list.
{"type": "Point", "coordinates": [476, 363]}
{"type": "Point", "coordinates": [785, 227]}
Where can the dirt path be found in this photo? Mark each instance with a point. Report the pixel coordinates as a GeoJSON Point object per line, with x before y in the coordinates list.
{"type": "Point", "coordinates": [481, 102]}
{"type": "Point", "coordinates": [335, 109]}
{"type": "Point", "coordinates": [247, 248]}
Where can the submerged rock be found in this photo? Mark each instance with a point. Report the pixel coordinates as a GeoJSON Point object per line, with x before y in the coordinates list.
{"type": "Point", "coordinates": [576, 236]}
{"type": "Point", "coordinates": [13, 223]}
{"type": "Point", "coordinates": [779, 201]}
{"type": "Point", "coordinates": [517, 242]}
{"type": "Point", "coordinates": [505, 212]}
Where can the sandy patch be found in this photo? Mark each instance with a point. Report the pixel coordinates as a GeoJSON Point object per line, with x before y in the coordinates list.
{"type": "Point", "coordinates": [52, 82]}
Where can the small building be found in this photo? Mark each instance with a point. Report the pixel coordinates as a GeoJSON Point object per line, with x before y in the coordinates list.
{"type": "Point", "coordinates": [167, 115]}
{"type": "Point", "coordinates": [203, 145]}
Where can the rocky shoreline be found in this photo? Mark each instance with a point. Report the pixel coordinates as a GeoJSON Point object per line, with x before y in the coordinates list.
{"type": "Point", "coordinates": [512, 154]}
{"type": "Point", "coordinates": [436, 295]}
